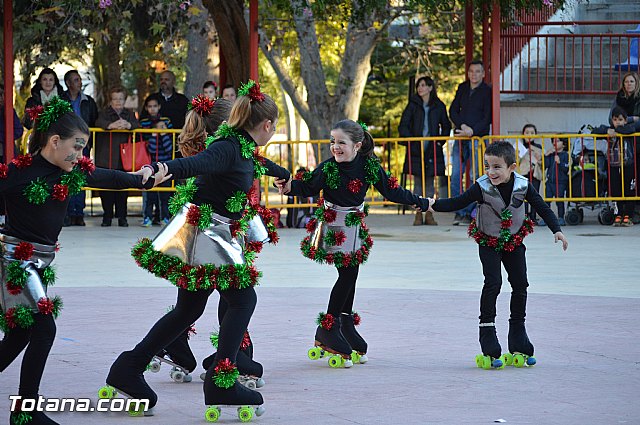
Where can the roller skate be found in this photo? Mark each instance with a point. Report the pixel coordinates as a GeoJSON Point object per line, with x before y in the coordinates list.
{"type": "Point", "coordinates": [126, 378]}
{"type": "Point", "coordinates": [520, 348]}
{"type": "Point", "coordinates": [250, 371]}
{"type": "Point", "coordinates": [222, 389]}
{"type": "Point", "coordinates": [490, 357]}
{"type": "Point", "coordinates": [350, 333]}
{"type": "Point", "coordinates": [34, 417]}
{"type": "Point", "coordinates": [179, 356]}
{"type": "Point", "coordinates": [329, 340]}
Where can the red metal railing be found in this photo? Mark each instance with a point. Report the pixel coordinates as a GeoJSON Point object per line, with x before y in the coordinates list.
{"type": "Point", "coordinates": [571, 63]}
{"type": "Point", "coordinates": [523, 24]}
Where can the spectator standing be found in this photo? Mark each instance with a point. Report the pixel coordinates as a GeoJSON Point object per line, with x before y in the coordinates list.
{"type": "Point", "coordinates": [161, 150]}
{"type": "Point", "coordinates": [114, 117]}
{"type": "Point", "coordinates": [425, 115]}
{"type": "Point", "coordinates": [46, 87]}
{"type": "Point", "coordinates": [84, 106]}
{"type": "Point", "coordinates": [150, 117]}
{"type": "Point", "coordinates": [556, 163]}
{"type": "Point", "coordinates": [470, 112]}
{"type": "Point", "coordinates": [172, 103]}
{"type": "Point", "coordinates": [229, 93]}
{"type": "Point", "coordinates": [531, 163]}
{"type": "Point", "coordinates": [210, 89]}
{"type": "Point", "coordinates": [628, 97]}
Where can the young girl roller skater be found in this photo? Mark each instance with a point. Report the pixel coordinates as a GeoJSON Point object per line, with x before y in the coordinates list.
{"type": "Point", "coordinates": [499, 229]}
{"type": "Point", "coordinates": [36, 187]}
{"type": "Point", "coordinates": [210, 244]}
{"type": "Point", "coordinates": [338, 234]}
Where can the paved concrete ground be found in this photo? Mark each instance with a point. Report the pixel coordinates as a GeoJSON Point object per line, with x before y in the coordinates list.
{"type": "Point", "coordinates": [418, 297]}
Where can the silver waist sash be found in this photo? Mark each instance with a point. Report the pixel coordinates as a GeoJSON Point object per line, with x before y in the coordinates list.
{"type": "Point", "coordinates": [214, 245]}
{"type": "Point", "coordinates": [352, 233]}
{"type": "Point", "coordinates": [33, 289]}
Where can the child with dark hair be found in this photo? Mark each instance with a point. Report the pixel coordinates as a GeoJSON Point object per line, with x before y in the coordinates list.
{"type": "Point", "coordinates": [622, 168]}
{"type": "Point", "coordinates": [209, 89]}
{"type": "Point", "coordinates": [37, 187]}
{"type": "Point", "coordinates": [556, 163]}
{"type": "Point", "coordinates": [499, 229]}
{"type": "Point", "coordinates": [338, 235]}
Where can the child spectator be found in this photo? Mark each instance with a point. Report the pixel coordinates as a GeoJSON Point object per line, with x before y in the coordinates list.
{"type": "Point", "coordinates": [210, 90]}
{"type": "Point", "coordinates": [157, 145]}
{"type": "Point", "coordinates": [557, 164]}
{"type": "Point", "coordinates": [621, 162]}
{"type": "Point", "coordinates": [229, 93]}
{"type": "Point", "coordinates": [530, 163]}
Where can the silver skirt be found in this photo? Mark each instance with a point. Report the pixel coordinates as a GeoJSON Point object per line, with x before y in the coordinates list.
{"type": "Point", "coordinates": [33, 289]}
{"type": "Point", "coordinates": [352, 242]}
{"type": "Point", "coordinates": [214, 245]}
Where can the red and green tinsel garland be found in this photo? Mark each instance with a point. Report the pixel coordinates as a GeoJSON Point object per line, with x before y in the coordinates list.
{"type": "Point", "coordinates": [331, 174]}
{"type": "Point", "coordinates": [247, 148]}
{"type": "Point", "coordinates": [22, 418]}
{"type": "Point", "coordinates": [251, 89]}
{"type": "Point", "coordinates": [246, 341]}
{"type": "Point", "coordinates": [16, 277]}
{"type": "Point", "coordinates": [23, 251]}
{"type": "Point", "coordinates": [392, 183]}
{"type": "Point", "coordinates": [325, 321]}
{"type": "Point", "coordinates": [356, 318]}
{"type": "Point", "coordinates": [333, 180]}
{"type": "Point", "coordinates": [333, 238]}
{"type": "Point", "coordinates": [305, 176]}
{"type": "Point", "coordinates": [184, 193]}
{"type": "Point", "coordinates": [22, 161]}
{"type": "Point", "coordinates": [193, 278]}
{"type": "Point", "coordinates": [22, 315]}
{"type": "Point", "coordinates": [200, 216]}
{"type": "Point", "coordinates": [355, 185]}
{"type": "Point", "coordinates": [225, 374]}
{"type": "Point", "coordinates": [38, 191]}
{"type": "Point", "coordinates": [371, 168]}
{"type": "Point", "coordinates": [505, 241]}
{"type": "Point", "coordinates": [213, 337]}
{"type": "Point", "coordinates": [4, 171]}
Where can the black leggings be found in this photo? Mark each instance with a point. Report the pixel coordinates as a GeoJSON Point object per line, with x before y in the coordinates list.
{"type": "Point", "coordinates": [515, 264]}
{"type": "Point", "coordinates": [189, 307]}
{"type": "Point", "coordinates": [38, 339]}
{"type": "Point", "coordinates": [344, 290]}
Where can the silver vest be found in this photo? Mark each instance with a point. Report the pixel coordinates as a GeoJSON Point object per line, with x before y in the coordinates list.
{"type": "Point", "coordinates": [488, 215]}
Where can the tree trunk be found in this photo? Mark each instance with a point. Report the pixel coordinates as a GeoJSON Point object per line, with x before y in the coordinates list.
{"type": "Point", "coordinates": [202, 53]}
{"type": "Point", "coordinates": [106, 62]}
{"type": "Point", "coordinates": [233, 34]}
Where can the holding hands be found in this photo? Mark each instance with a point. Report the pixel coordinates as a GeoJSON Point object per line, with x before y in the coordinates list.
{"type": "Point", "coordinates": [147, 171]}
{"type": "Point", "coordinates": [425, 205]}
{"type": "Point", "coordinates": [283, 185]}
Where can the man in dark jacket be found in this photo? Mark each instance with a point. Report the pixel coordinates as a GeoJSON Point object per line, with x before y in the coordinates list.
{"type": "Point", "coordinates": [470, 112]}
{"type": "Point", "coordinates": [86, 107]}
{"type": "Point", "coordinates": [427, 154]}
{"type": "Point", "coordinates": [172, 103]}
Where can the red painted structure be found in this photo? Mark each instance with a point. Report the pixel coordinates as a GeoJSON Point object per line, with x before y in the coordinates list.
{"type": "Point", "coordinates": [8, 79]}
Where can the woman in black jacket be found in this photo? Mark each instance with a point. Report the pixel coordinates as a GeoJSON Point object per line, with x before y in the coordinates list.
{"type": "Point", "coordinates": [46, 87]}
{"type": "Point", "coordinates": [412, 124]}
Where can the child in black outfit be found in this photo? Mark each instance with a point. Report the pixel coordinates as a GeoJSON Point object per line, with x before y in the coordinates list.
{"type": "Point", "coordinates": [621, 168]}
{"type": "Point", "coordinates": [556, 163]}
{"type": "Point", "coordinates": [499, 228]}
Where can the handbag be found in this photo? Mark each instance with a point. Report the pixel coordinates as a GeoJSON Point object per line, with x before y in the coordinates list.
{"type": "Point", "coordinates": [134, 151]}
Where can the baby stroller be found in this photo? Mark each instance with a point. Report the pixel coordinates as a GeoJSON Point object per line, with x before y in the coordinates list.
{"type": "Point", "coordinates": [588, 180]}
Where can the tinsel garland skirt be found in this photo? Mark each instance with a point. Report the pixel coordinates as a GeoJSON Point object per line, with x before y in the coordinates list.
{"type": "Point", "coordinates": [34, 289]}
{"type": "Point", "coordinates": [214, 245]}
{"type": "Point", "coordinates": [352, 241]}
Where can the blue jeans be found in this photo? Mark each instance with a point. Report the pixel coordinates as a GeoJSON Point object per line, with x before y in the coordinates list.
{"type": "Point", "coordinates": [161, 202]}
{"type": "Point", "coordinates": [460, 157]}
{"type": "Point", "coordinates": [76, 205]}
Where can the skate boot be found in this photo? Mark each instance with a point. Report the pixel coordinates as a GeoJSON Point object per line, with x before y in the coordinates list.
{"type": "Point", "coordinates": [179, 356]}
{"type": "Point", "coordinates": [126, 377]}
{"type": "Point", "coordinates": [329, 339]}
{"type": "Point", "coordinates": [359, 345]}
{"type": "Point", "coordinates": [490, 357]}
{"type": "Point", "coordinates": [520, 348]}
{"type": "Point", "coordinates": [250, 371]}
{"type": "Point", "coordinates": [34, 417]}
{"type": "Point", "coordinates": [221, 388]}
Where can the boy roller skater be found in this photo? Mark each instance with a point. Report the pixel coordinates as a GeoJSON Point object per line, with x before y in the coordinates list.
{"type": "Point", "coordinates": [499, 229]}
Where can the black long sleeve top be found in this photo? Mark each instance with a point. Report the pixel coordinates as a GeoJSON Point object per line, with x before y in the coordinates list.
{"type": "Point", "coordinates": [349, 171]}
{"type": "Point", "coordinates": [43, 223]}
{"type": "Point", "coordinates": [472, 107]}
{"type": "Point", "coordinates": [474, 194]}
{"type": "Point", "coordinates": [221, 171]}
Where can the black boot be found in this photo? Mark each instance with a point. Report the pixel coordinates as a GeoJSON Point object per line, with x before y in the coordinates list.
{"type": "Point", "coordinates": [348, 328]}
{"type": "Point", "coordinates": [491, 349]}
{"type": "Point", "coordinates": [126, 375]}
{"type": "Point", "coordinates": [249, 369]}
{"type": "Point", "coordinates": [235, 395]}
{"type": "Point", "coordinates": [330, 337]}
{"type": "Point", "coordinates": [180, 352]}
{"type": "Point", "coordinates": [519, 345]}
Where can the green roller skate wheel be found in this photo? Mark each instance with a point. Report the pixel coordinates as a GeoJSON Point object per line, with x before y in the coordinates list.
{"type": "Point", "coordinates": [479, 360]}
{"type": "Point", "coordinates": [245, 413]}
{"type": "Point", "coordinates": [335, 361]}
{"type": "Point", "coordinates": [212, 414]}
{"type": "Point", "coordinates": [518, 360]}
{"type": "Point", "coordinates": [107, 392]}
{"type": "Point", "coordinates": [136, 412]}
{"type": "Point", "coordinates": [507, 359]}
{"type": "Point", "coordinates": [355, 357]}
{"type": "Point", "coordinates": [486, 362]}
{"type": "Point", "coordinates": [314, 353]}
